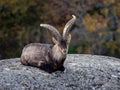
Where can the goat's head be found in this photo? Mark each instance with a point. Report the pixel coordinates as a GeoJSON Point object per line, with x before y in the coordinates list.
{"type": "Point", "coordinates": [61, 42]}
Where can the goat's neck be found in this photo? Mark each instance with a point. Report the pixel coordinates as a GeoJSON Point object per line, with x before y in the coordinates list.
{"type": "Point", "coordinates": [57, 54]}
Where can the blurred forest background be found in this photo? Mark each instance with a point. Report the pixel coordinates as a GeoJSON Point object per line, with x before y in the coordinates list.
{"type": "Point", "coordinates": [96, 31]}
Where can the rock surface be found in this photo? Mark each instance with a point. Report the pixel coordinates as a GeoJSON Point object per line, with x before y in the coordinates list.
{"type": "Point", "coordinates": [83, 72]}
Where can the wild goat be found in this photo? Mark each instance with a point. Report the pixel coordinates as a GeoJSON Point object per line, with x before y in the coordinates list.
{"type": "Point", "coordinates": [49, 57]}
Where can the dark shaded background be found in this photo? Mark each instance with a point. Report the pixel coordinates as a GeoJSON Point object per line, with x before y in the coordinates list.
{"type": "Point", "coordinates": [96, 31]}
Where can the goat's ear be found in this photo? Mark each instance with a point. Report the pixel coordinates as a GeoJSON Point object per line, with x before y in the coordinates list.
{"type": "Point", "coordinates": [68, 38]}
{"type": "Point", "coordinates": [54, 40]}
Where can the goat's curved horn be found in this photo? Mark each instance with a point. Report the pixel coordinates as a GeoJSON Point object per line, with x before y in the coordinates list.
{"type": "Point", "coordinates": [53, 29]}
{"type": "Point", "coordinates": [68, 26]}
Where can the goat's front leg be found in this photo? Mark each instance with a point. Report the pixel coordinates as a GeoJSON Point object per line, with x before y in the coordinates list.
{"type": "Point", "coordinates": [48, 67]}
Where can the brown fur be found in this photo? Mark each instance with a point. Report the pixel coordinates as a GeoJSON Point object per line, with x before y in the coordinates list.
{"type": "Point", "coordinates": [33, 55]}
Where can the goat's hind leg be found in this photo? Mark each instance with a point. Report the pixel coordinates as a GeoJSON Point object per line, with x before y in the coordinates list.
{"type": "Point", "coordinates": [38, 63]}
{"type": "Point", "coordinates": [23, 60]}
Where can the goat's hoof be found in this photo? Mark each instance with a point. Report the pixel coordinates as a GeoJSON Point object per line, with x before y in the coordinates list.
{"type": "Point", "coordinates": [62, 68]}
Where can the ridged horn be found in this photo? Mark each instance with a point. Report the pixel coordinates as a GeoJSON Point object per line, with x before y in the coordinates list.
{"type": "Point", "coordinates": [68, 26]}
{"type": "Point", "coordinates": [53, 30]}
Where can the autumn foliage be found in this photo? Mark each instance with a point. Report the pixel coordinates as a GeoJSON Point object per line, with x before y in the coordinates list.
{"type": "Point", "coordinates": [96, 30]}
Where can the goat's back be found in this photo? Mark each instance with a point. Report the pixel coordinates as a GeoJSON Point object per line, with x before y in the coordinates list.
{"type": "Point", "coordinates": [35, 52]}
